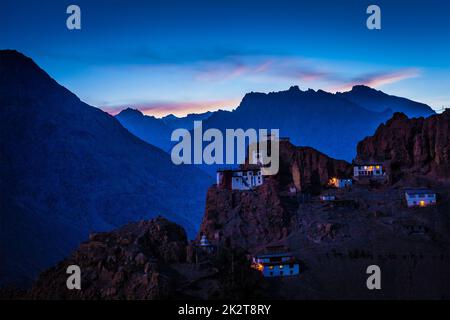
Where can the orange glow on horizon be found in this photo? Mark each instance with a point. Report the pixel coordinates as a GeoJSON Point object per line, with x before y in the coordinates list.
{"type": "Point", "coordinates": [178, 109]}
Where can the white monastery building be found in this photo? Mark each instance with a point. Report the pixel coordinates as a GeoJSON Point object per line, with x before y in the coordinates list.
{"type": "Point", "coordinates": [368, 170]}
{"type": "Point", "coordinates": [239, 179]}
{"type": "Point", "coordinates": [420, 197]}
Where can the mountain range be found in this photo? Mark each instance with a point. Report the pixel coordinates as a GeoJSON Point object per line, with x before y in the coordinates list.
{"type": "Point", "coordinates": [68, 169]}
{"type": "Point", "coordinates": [157, 131]}
{"type": "Point", "coordinates": [331, 123]}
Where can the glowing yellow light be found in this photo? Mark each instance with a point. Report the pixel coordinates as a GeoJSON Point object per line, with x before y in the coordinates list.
{"type": "Point", "coordinates": [271, 267]}
{"type": "Point", "coordinates": [422, 203]}
{"type": "Point", "coordinates": [378, 167]}
{"type": "Point", "coordinates": [332, 181]}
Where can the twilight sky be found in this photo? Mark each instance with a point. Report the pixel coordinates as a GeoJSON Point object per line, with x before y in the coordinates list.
{"type": "Point", "coordinates": [172, 56]}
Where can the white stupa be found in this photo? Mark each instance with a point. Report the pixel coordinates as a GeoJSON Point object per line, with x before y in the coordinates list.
{"type": "Point", "coordinates": [204, 242]}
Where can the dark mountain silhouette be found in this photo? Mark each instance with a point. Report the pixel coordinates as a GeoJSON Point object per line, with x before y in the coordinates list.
{"type": "Point", "coordinates": [186, 122]}
{"type": "Point", "coordinates": [157, 131]}
{"type": "Point", "coordinates": [379, 101]}
{"type": "Point", "coordinates": [68, 169]}
{"type": "Point", "coordinates": [318, 119]}
{"type": "Point", "coordinates": [331, 123]}
{"type": "Point", "coordinates": [148, 128]}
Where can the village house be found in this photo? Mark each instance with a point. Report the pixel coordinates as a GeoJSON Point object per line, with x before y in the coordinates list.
{"type": "Point", "coordinates": [368, 170]}
{"type": "Point", "coordinates": [340, 182]}
{"type": "Point", "coordinates": [276, 262]}
{"type": "Point", "coordinates": [420, 197]}
{"type": "Point", "coordinates": [241, 179]}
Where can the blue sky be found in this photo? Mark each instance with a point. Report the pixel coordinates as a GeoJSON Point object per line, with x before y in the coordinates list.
{"type": "Point", "coordinates": [178, 57]}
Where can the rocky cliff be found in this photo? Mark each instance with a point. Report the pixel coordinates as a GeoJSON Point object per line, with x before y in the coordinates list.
{"type": "Point", "coordinates": [418, 147]}
{"type": "Point", "coordinates": [257, 217]}
{"type": "Point", "coordinates": [147, 260]}
{"type": "Point", "coordinates": [308, 169]}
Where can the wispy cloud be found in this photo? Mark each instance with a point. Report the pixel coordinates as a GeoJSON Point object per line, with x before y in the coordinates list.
{"type": "Point", "coordinates": [295, 69]}
{"type": "Point", "coordinates": [221, 79]}
{"type": "Point", "coordinates": [379, 79]}
{"type": "Point", "coordinates": [235, 67]}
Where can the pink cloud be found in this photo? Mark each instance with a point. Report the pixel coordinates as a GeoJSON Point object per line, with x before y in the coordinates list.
{"type": "Point", "coordinates": [231, 70]}
{"type": "Point", "coordinates": [378, 79]}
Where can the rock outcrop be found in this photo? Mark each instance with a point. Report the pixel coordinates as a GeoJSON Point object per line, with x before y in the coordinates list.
{"type": "Point", "coordinates": [308, 169]}
{"type": "Point", "coordinates": [257, 217]}
{"type": "Point", "coordinates": [418, 147]}
{"type": "Point", "coordinates": [129, 263]}
{"type": "Point", "coordinates": [245, 218]}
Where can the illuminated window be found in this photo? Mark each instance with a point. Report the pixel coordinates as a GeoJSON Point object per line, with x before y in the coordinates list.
{"type": "Point", "coordinates": [271, 267]}
{"type": "Point", "coordinates": [422, 203]}
{"type": "Point", "coordinates": [281, 266]}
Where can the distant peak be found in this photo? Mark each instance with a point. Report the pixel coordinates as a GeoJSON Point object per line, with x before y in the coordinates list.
{"type": "Point", "coordinates": [15, 57]}
{"type": "Point", "coordinates": [130, 112]}
{"type": "Point", "coordinates": [12, 53]}
{"type": "Point", "coordinates": [170, 117]}
{"type": "Point", "coordinates": [25, 77]}
{"type": "Point", "coordinates": [9, 51]}
{"type": "Point", "coordinates": [294, 88]}
{"type": "Point", "coordinates": [361, 87]}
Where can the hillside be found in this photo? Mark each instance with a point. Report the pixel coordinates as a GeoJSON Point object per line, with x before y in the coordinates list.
{"type": "Point", "coordinates": [68, 169]}
{"type": "Point", "coordinates": [333, 242]}
{"type": "Point", "coordinates": [368, 224]}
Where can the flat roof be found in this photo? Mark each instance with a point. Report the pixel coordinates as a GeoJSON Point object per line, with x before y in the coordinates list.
{"type": "Point", "coordinates": [274, 255]}
{"type": "Point", "coordinates": [267, 264]}
{"type": "Point", "coordinates": [419, 191]}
